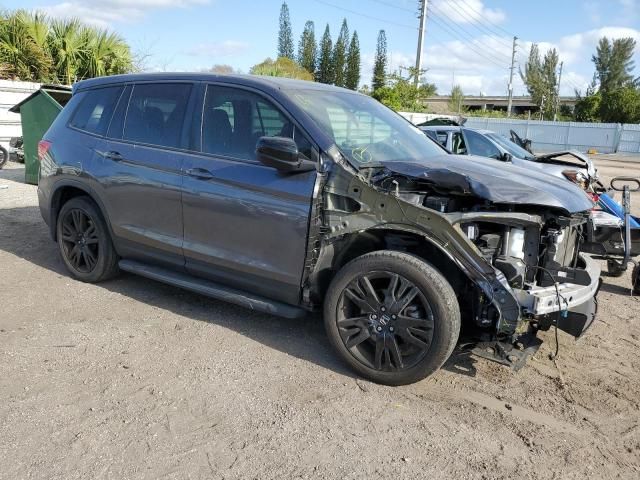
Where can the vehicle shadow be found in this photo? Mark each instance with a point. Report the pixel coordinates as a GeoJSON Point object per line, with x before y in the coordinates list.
{"type": "Point", "coordinates": [24, 234]}
{"type": "Point", "coordinates": [617, 289]}
{"type": "Point", "coordinates": [461, 362]}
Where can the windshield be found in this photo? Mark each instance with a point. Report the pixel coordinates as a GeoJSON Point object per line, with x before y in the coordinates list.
{"type": "Point", "coordinates": [515, 150]}
{"type": "Point", "coordinates": [365, 131]}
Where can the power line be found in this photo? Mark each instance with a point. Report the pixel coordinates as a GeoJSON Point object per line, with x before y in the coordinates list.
{"type": "Point", "coordinates": [473, 44]}
{"type": "Point", "coordinates": [462, 33]}
{"type": "Point", "coordinates": [487, 20]}
{"type": "Point", "coordinates": [370, 17]}
{"type": "Point", "coordinates": [484, 30]}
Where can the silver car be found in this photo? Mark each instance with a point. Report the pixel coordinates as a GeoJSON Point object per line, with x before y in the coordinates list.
{"type": "Point", "coordinates": [571, 165]}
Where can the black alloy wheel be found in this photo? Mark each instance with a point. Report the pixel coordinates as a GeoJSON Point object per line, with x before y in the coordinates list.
{"type": "Point", "coordinates": [392, 317]}
{"type": "Point", "coordinates": [84, 241]}
{"type": "Point", "coordinates": [385, 321]}
{"type": "Point", "coordinates": [79, 239]}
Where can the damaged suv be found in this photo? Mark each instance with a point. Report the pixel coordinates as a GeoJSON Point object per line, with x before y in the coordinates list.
{"type": "Point", "coordinates": [287, 197]}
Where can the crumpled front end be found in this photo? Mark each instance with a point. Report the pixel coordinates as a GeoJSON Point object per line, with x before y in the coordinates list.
{"type": "Point", "coordinates": [521, 264]}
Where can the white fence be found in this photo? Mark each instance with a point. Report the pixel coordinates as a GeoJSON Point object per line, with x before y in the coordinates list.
{"type": "Point", "coordinates": [550, 136]}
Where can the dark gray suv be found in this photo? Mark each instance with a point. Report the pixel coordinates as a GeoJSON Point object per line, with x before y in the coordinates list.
{"type": "Point", "coordinates": [286, 197]}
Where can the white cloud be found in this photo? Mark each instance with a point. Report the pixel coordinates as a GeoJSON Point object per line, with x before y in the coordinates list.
{"type": "Point", "coordinates": [218, 49]}
{"type": "Point", "coordinates": [106, 12]}
{"type": "Point", "coordinates": [481, 65]}
{"type": "Point", "coordinates": [468, 11]}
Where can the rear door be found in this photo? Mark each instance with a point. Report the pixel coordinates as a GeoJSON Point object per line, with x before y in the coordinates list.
{"type": "Point", "coordinates": [246, 224]}
{"type": "Point", "coordinates": [139, 169]}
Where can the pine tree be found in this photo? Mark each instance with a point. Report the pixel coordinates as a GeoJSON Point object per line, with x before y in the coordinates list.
{"type": "Point", "coordinates": [340, 54]}
{"type": "Point", "coordinates": [325, 73]}
{"type": "Point", "coordinates": [307, 48]}
{"type": "Point", "coordinates": [352, 74]}
{"type": "Point", "coordinates": [380, 66]}
{"type": "Point", "coordinates": [614, 63]}
{"type": "Point", "coordinates": [285, 37]}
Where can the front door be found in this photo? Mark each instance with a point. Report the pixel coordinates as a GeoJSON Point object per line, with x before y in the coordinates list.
{"type": "Point", "coordinates": [245, 224]}
{"type": "Point", "coordinates": [140, 170]}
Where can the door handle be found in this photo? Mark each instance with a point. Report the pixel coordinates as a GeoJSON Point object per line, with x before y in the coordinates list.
{"type": "Point", "coordinates": [201, 173]}
{"type": "Point", "coordinates": [115, 156]}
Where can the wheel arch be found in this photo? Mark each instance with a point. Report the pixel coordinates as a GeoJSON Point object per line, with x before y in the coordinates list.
{"type": "Point", "coordinates": [408, 240]}
{"type": "Point", "coordinates": [65, 191]}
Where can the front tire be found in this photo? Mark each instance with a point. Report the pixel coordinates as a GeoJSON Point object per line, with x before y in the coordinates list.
{"type": "Point", "coordinates": [84, 241]}
{"type": "Point", "coordinates": [392, 317]}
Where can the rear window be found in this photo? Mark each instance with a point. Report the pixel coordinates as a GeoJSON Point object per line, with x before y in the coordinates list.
{"type": "Point", "coordinates": [156, 113]}
{"type": "Point", "coordinates": [95, 109]}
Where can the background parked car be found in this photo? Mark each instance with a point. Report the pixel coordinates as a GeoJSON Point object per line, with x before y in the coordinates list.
{"type": "Point", "coordinates": [16, 151]}
{"type": "Point", "coordinates": [571, 165]}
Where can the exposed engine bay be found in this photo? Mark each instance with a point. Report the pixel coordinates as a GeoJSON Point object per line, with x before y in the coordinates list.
{"type": "Point", "coordinates": [523, 270]}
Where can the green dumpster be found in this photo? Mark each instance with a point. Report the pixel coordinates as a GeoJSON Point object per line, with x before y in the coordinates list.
{"type": "Point", "coordinates": [37, 113]}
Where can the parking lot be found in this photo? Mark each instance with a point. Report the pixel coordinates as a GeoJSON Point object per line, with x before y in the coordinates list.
{"type": "Point", "coordinates": [134, 379]}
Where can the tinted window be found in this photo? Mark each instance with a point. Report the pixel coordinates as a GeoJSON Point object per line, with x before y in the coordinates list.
{"type": "Point", "coordinates": [95, 110]}
{"type": "Point", "coordinates": [233, 120]}
{"type": "Point", "coordinates": [479, 145]}
{"type": "Point", "coordinates": [119, 114]}
{"type": "Point", "coordinates": [156, 113]}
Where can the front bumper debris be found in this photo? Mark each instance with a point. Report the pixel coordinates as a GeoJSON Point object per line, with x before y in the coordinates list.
{"type": "Point", "coordinates": [571, 307]}
{"type": "Point", "coordinates": [569, 296]}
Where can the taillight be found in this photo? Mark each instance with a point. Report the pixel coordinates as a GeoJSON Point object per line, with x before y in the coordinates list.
{"type": "Point", "coordinates": [43, 148]}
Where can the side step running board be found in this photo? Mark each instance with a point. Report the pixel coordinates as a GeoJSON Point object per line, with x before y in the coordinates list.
{"type": "Point", "coordinates": [212, 289]}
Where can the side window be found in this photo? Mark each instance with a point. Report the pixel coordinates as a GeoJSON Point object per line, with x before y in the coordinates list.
{"type": "Point", "coordinates": [156, 113]}
{"type": "Point", "coordinates": [458, 145]}
{"type": "Point", "coordinates": [481, 146]}
{"type": "Point", "coordinates": [119, 114]}
{"type": "Point", "coordinates": [438, 136]}
{"type": "Point", "coordinates": [233, 120]}
{"type": "Point", "coordinates": [95, 109]}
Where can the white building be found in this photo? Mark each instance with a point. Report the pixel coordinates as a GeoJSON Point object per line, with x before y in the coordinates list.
{"type": "Point", "coordinates": [12, 92]}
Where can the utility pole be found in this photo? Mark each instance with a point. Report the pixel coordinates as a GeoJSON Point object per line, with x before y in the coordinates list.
{"type": "Point", "coordinates": [513, 66]}
{"type": "Point", "coordinates": [555, 113]}
{"type": "Point", "coordinates": [423, 20]}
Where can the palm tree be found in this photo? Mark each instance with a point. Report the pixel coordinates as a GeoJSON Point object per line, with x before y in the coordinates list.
{"type": "Point", "coordinates": [20, 54]}
{"type": "Point", "coordinates": [67, 49]}
{"type": "Point", "coordinates": [105, 53]}
{"type": "Point", "coordinates": [34, 47]}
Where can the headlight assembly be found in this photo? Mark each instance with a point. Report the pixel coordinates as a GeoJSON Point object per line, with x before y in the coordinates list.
{"type": "Point", "coordinates": [576, 177]}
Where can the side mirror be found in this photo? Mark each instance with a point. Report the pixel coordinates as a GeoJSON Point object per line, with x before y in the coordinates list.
{"type": "Point", "coordinates": [506, 157]}
{"type": "Point", "coordinates": [282, 154]}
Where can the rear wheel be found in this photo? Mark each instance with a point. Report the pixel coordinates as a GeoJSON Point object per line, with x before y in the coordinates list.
{"type": "Point", "coordinates": [4, 156]}
{"type": "Point", "coordinates": [393, 317]}
{"type": "Point", "coordinates": [84, 241]}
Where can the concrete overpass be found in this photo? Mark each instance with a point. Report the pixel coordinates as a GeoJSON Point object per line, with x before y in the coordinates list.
{"type": "Point", "coordinates": [521, 104]}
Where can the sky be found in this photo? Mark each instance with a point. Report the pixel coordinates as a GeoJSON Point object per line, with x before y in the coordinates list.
{"type": "Point", "coordinates": [467, 42]}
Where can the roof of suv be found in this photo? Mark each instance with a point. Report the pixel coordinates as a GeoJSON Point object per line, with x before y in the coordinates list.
{"type": "Point", "coordinates": [259, 81]}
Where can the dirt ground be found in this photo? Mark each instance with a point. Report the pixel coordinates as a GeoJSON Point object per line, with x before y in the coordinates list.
{"type": "Point", "coordinates": [135, 379]}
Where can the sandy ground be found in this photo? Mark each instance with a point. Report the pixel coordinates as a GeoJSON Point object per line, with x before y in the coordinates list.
{"type": "Point", "coordinates": [135, 379]}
